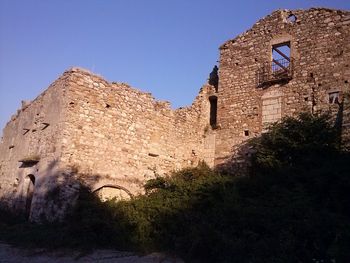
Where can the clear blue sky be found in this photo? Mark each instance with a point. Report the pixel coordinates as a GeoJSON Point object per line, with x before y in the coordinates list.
{"type": "Point", "coordinates": [167, 47]}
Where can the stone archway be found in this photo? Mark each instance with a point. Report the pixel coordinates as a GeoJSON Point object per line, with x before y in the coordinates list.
{"type": "Point", "coordinates": [29, 191]}
{"type": "Point", "coordinates": [109, 191]}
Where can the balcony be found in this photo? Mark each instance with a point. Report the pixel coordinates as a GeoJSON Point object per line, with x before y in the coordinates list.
{"type": "Point", "coordinates": [276, 71]}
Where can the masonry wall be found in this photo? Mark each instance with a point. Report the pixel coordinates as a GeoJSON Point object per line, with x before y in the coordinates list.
{"type": "Point", "coordinates": [320, 49]}
{"type": "Point", "coordinates": [121, 136]}
{"type": "Point", "coordinates": [30, 150]}
{"type": "Point", "coordinates": [114, 138]}
{"type": "Point", "coordinates": [109, 136]}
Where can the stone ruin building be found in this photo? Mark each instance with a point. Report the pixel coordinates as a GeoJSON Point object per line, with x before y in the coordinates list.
{"type": "Point", "coordinates": [113, 137]}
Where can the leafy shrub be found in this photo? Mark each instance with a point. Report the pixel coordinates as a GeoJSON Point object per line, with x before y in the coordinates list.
{"type": "Point", "coordinates": [293, 207]}
{"type": "Point", "coordinates": [307, 139]}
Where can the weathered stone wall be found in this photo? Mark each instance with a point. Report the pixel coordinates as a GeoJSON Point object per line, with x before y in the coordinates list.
{"type": "Point", "coordinates": [114, 137]}
{"type": "Point", "coordinates": [320, 49]}
{"type": "Point", "coordinates": [108, 135]}
{"type": "Point", "coordinates": [123, 136]}
{"type": "Point", "coordinates": [30, 150]}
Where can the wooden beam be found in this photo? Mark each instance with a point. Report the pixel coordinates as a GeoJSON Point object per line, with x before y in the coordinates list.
{"type": "Point", "coordinates": [281, 53]}
{"type": "Point", "coordinates": [279, 64]}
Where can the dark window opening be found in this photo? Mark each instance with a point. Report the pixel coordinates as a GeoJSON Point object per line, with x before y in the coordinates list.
{"type": "Point", "coordinates": [246, 132]}
{"type": "Point", "coordinates": [30, 183]}
{"type": "Point", "coordinates": [213, 111]}
{"type": "Point", "coordinates": [333, 97]}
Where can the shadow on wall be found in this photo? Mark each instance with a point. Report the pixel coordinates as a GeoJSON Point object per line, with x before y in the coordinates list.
{"type": "Point", "coordinates": [239, 160]}
{"type": "Point", "coordinates": [50, 194]}
{"type": "Point", "coordinates": [293, 207]}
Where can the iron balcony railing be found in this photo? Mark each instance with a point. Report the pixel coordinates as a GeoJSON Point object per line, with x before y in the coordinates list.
{"type": "Point", "coordinates": [275, 71]}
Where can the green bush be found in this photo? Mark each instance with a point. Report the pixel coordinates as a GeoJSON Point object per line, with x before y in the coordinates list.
{"type": "Point", "coordinates": [307, 139]}
{"type": "Point", "coordinates": [292, 207]}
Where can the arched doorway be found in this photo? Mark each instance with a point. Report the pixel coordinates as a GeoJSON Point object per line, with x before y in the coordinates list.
{"type": "Point", "coordinates": [29, 191]}
{"type": "Point", "coordinates": [107, 192]}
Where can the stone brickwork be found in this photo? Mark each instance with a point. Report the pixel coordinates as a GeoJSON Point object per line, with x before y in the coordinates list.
{"type": "Point", "coordinates": [125, 136]}
{"type": "Point", "coordinates": [109, 136]}
{"type": "Point", "coordinates": [113, 138]}
{"type": "Point", "coordinates": [250, 97]}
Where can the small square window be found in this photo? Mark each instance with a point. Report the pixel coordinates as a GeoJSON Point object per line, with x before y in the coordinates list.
{"type": "Point", "coordinates": [333, 97]}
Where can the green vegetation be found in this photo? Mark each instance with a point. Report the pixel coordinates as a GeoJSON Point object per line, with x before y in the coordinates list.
{"type": "Point", "coordinates": [292, 207]}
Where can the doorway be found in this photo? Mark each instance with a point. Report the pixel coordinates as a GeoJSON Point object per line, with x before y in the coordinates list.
{"type": "Point", "coordinates": [29, 191]}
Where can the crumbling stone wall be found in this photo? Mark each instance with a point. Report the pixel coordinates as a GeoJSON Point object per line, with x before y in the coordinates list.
{"type": "Point", "coordinates": [124, 135]}
{"type": "Point", "coordinates": [320, 50]}
{"type": "Point", "coordinates": [113, 138]}
{"type": "Point", "coordinates": [30, 150]}
{"type": "Point", "coordinates": [109, 136]}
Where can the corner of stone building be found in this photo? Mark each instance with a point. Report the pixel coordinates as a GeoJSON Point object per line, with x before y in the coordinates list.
{"type": "Point", "coordinates": [31, 143]}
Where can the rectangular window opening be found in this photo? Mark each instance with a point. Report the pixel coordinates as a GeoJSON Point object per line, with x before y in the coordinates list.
{"type": "Point", "coordinates": [213, 111]}
{"type": "Point", "coordinates": [281, 58]}
{"type": "Point", "coordinates": [333, 97]}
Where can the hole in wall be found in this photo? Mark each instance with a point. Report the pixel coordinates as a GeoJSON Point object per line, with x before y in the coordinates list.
{"type": "Point", "coordinates": [107, 105]}
{"type": "Point", "coordinates": [45, 125]}
{"type": "Point", "coordinates": [29, 191]}
{"type": "Point", "coordinates": [213, 111]}
{"type": "Point", "coordinates": [346, 82]}
{"type": "Point", "coordinates": [291, 18]}
{"type": "Point", "coordinates": [246, 132]}
{"type": "Point", "coordinates": [333, 97]}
